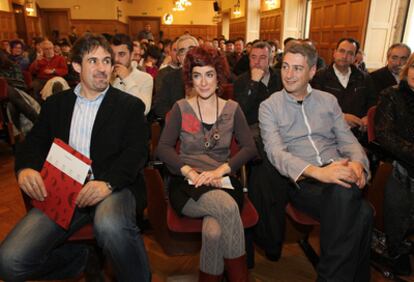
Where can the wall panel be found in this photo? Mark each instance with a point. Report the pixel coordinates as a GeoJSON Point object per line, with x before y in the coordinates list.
{"type": "Point", "coordinates": [335, 19]}
{"type": "Point", "coordinates": [271, 25]}
{"type": "Point", "coordinates": [237, 28]}
{"type": "Point", "coordinates": [34, 27]}
{"type": "Point", "coordinates": [205, 31]}
{"type": "Point", "coordinates": [7, 26]}
{"type": "Point", "coordinates": [100, 26]}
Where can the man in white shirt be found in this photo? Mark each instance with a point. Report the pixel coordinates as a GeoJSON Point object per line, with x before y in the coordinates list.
{"type": "Point", "coordinates": [125, 77]}
{"type": "Point", "coordinates": [354, 89]}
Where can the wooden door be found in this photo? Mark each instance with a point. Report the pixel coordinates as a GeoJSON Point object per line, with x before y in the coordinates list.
{"type": "Point", "coordinates": [136, 24]}
{"type": "Point", "coordinates": [19, 16]}
{"type": "Point", "coordinates": [56, 20]}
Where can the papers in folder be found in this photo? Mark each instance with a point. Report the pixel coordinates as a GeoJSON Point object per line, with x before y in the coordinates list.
{"type": "Point", "coordinates": [64, 173]}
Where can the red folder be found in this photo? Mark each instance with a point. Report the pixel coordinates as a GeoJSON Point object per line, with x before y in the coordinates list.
{"type": "Point", "coordinates": [62, 190]}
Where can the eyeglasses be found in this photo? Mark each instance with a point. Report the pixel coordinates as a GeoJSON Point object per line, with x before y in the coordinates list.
{"type": "Point", "coordinates": [183, 51]}
{"type": "Point", "coordinates": [397, 58]}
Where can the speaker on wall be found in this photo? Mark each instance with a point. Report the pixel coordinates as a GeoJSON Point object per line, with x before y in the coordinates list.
{"type": "Point", "coordinates": [216, 6]}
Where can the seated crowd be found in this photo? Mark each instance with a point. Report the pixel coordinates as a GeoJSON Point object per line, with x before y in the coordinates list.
{"type": "Point", "coordinates": [300, 126]}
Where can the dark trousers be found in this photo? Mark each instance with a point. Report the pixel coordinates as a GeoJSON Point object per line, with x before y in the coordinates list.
{"type": "Point", "coordinates": [36, 248]}
{"type": "Point", "coordinates": [345, 230]}
{"type": "Point", "coordinates": [398, 211]}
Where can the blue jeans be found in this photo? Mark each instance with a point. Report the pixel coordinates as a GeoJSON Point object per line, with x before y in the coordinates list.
{"type": "Point", "coordinates": [36, 248]}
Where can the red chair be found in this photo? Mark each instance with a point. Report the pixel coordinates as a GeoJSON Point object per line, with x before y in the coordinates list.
{"type": "Point", "coordinates": [227, 91]}
{"type": "Point", "coordinates": [301, 220]}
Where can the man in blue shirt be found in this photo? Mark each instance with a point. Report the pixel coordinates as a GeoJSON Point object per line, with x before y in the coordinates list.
{"type": "Point", "coordinates": [108, 126]}
{"type": "Point", "coordinates": [307, 139]}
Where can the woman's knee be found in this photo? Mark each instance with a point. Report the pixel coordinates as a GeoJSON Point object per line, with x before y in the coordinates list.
{"type": "Point", "coordinates": [211, 230]}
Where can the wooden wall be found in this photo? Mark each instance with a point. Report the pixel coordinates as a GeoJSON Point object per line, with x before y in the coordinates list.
{"type": "Point", "coordinates": [7, 26]}
{"type": "Point", "coordinates": [33, 27]}
{"type": "Point", "coordinates": [99, 26]}
{"type": "Point", "coordinates": [271, 25]}
{"type": "Point", "coordinates": [237, 28]}
{"type": "Point", "coordinates": [333, 19]}
{"type": "Point", "coordinates": [205, 31]}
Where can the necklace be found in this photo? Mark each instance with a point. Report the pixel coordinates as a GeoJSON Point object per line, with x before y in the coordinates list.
{"type": "Point", "coordinates": [208, 143]}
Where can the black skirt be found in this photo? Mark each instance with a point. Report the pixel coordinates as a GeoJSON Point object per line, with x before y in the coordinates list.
{"type": "Point", "coordinates": [180, 192]}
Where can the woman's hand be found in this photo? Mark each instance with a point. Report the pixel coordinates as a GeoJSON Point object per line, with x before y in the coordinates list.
{"type": "Point", "coordinates": [213, 177]}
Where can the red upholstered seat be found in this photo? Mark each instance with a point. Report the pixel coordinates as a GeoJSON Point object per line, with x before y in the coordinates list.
{"type": "Point", "coordinates": [83, 234]}
{"type": "Point", "coordinates": [299, 216]}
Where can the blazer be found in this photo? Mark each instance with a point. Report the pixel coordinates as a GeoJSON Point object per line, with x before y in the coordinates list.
{"type": "Point", "coordinates": [383, 79]}
{"type": "Point", "coordinates": [119, 139]}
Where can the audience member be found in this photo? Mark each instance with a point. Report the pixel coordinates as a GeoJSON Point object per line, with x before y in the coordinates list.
{"type": "Point", "coordinates": [46, 68]}
{"type": "Point", "coordinates": [307, 139]}
{"type": "Point", "coordinates": [19, 101]}
{"type": "Point", "coordinates": [397, 56]}
{"type": "Point", "coordinates": [17, 54]}
{"type": "Point", "coordinates": [204, 159]}
{"type": "Point", "coordinates": [394, 127]}
{"type": "Point", "coordinates": [360, 61]}
{"type": "Point", "coordinates": [117, 147]}
{"type": "Point", "coordinates": [145, 33]}
{"type": "Point", "coordinates": [354, 89]}
{"type": "Point", "coordinates": [172, 87]}
{"type": "Point", "coordinates": [256, 85]}
{"type": "Point", "coordinates": [152, 57]}
{"type": "Point", "coordinates": [125, 77]}
{"type": "Point", "coordinates": [234, 57]}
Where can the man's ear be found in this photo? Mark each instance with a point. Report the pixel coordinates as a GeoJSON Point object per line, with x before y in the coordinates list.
{"type": "Point", "coordinates": [312, 71]}
{"type": "Point", "coordinates": [77, 67]}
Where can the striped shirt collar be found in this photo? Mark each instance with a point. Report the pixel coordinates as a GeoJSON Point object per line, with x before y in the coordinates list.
{"type": "Point", "coordinates": [78, 89]}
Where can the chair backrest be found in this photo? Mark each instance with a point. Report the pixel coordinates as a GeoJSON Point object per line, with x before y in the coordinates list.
{"type": "Point", "coordinates": [227, 91]}
{"type": "Point", "coordinates": [172, 243]}
{"type": "Point", "coordinates": [371, 123]}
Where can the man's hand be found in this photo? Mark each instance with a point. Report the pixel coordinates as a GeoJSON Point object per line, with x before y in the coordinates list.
{"type": "Point", "coordinates": [359, 172]}
{"type": "Point", "coordinates": [92, 193]}
{"type": "Point", "coordinates": [257, 74]}
{"type": "Point", "coordinates": [32, 184]}
{"type": "Point", "coordinates": [49, 71]}
{"type": "Point", "coordinates": [338, 172]}
{"type": "Point", "coordinates": [353, 121]}
{"type": "Point", "coordinates": [364, 125]}
{"type": "Point", "coordinates": [121, 71]}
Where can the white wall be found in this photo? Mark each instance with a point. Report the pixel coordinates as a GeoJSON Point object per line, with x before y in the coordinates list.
{"type": "Point", "coordinates": [380, 30]}
{"type": "Point", "coordinates": [294, 18]}
{"type": "Point", "coordinates": [409, 28]}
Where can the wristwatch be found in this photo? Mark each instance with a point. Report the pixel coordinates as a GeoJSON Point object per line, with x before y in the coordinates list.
{"type": "Point", "coordinates": [109, 186]}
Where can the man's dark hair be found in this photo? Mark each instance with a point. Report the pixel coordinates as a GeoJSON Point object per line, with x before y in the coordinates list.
{"type": "Point", "coordinates": [229, 42]}
{"type": "Point", "coordinates": [239, 39]}
{"type": "Point", "coordinates": [350, 40]}
{"type": "Point", "coordinates": [304, 49]}
{"type": "Point", "coordinates": [287, 40]}
{"type": "Point", "coordinates": [87, 44]}
{"type": "Point", "coordinates": [263, 45]}
{"type": "Point", "coordinates": [15, 42]}
{"type": "Point", "coordinates": [393, 46]}
{"type": "Point", "coordinates": [120, 39]}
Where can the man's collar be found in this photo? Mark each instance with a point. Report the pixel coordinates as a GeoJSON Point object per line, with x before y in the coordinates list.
{"type": "Point", "coordinates": [78, 89]}
{"type": "Point", "coordinates": [292, 98]}
{"type": "Point", "coordinates": [339, 73]}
